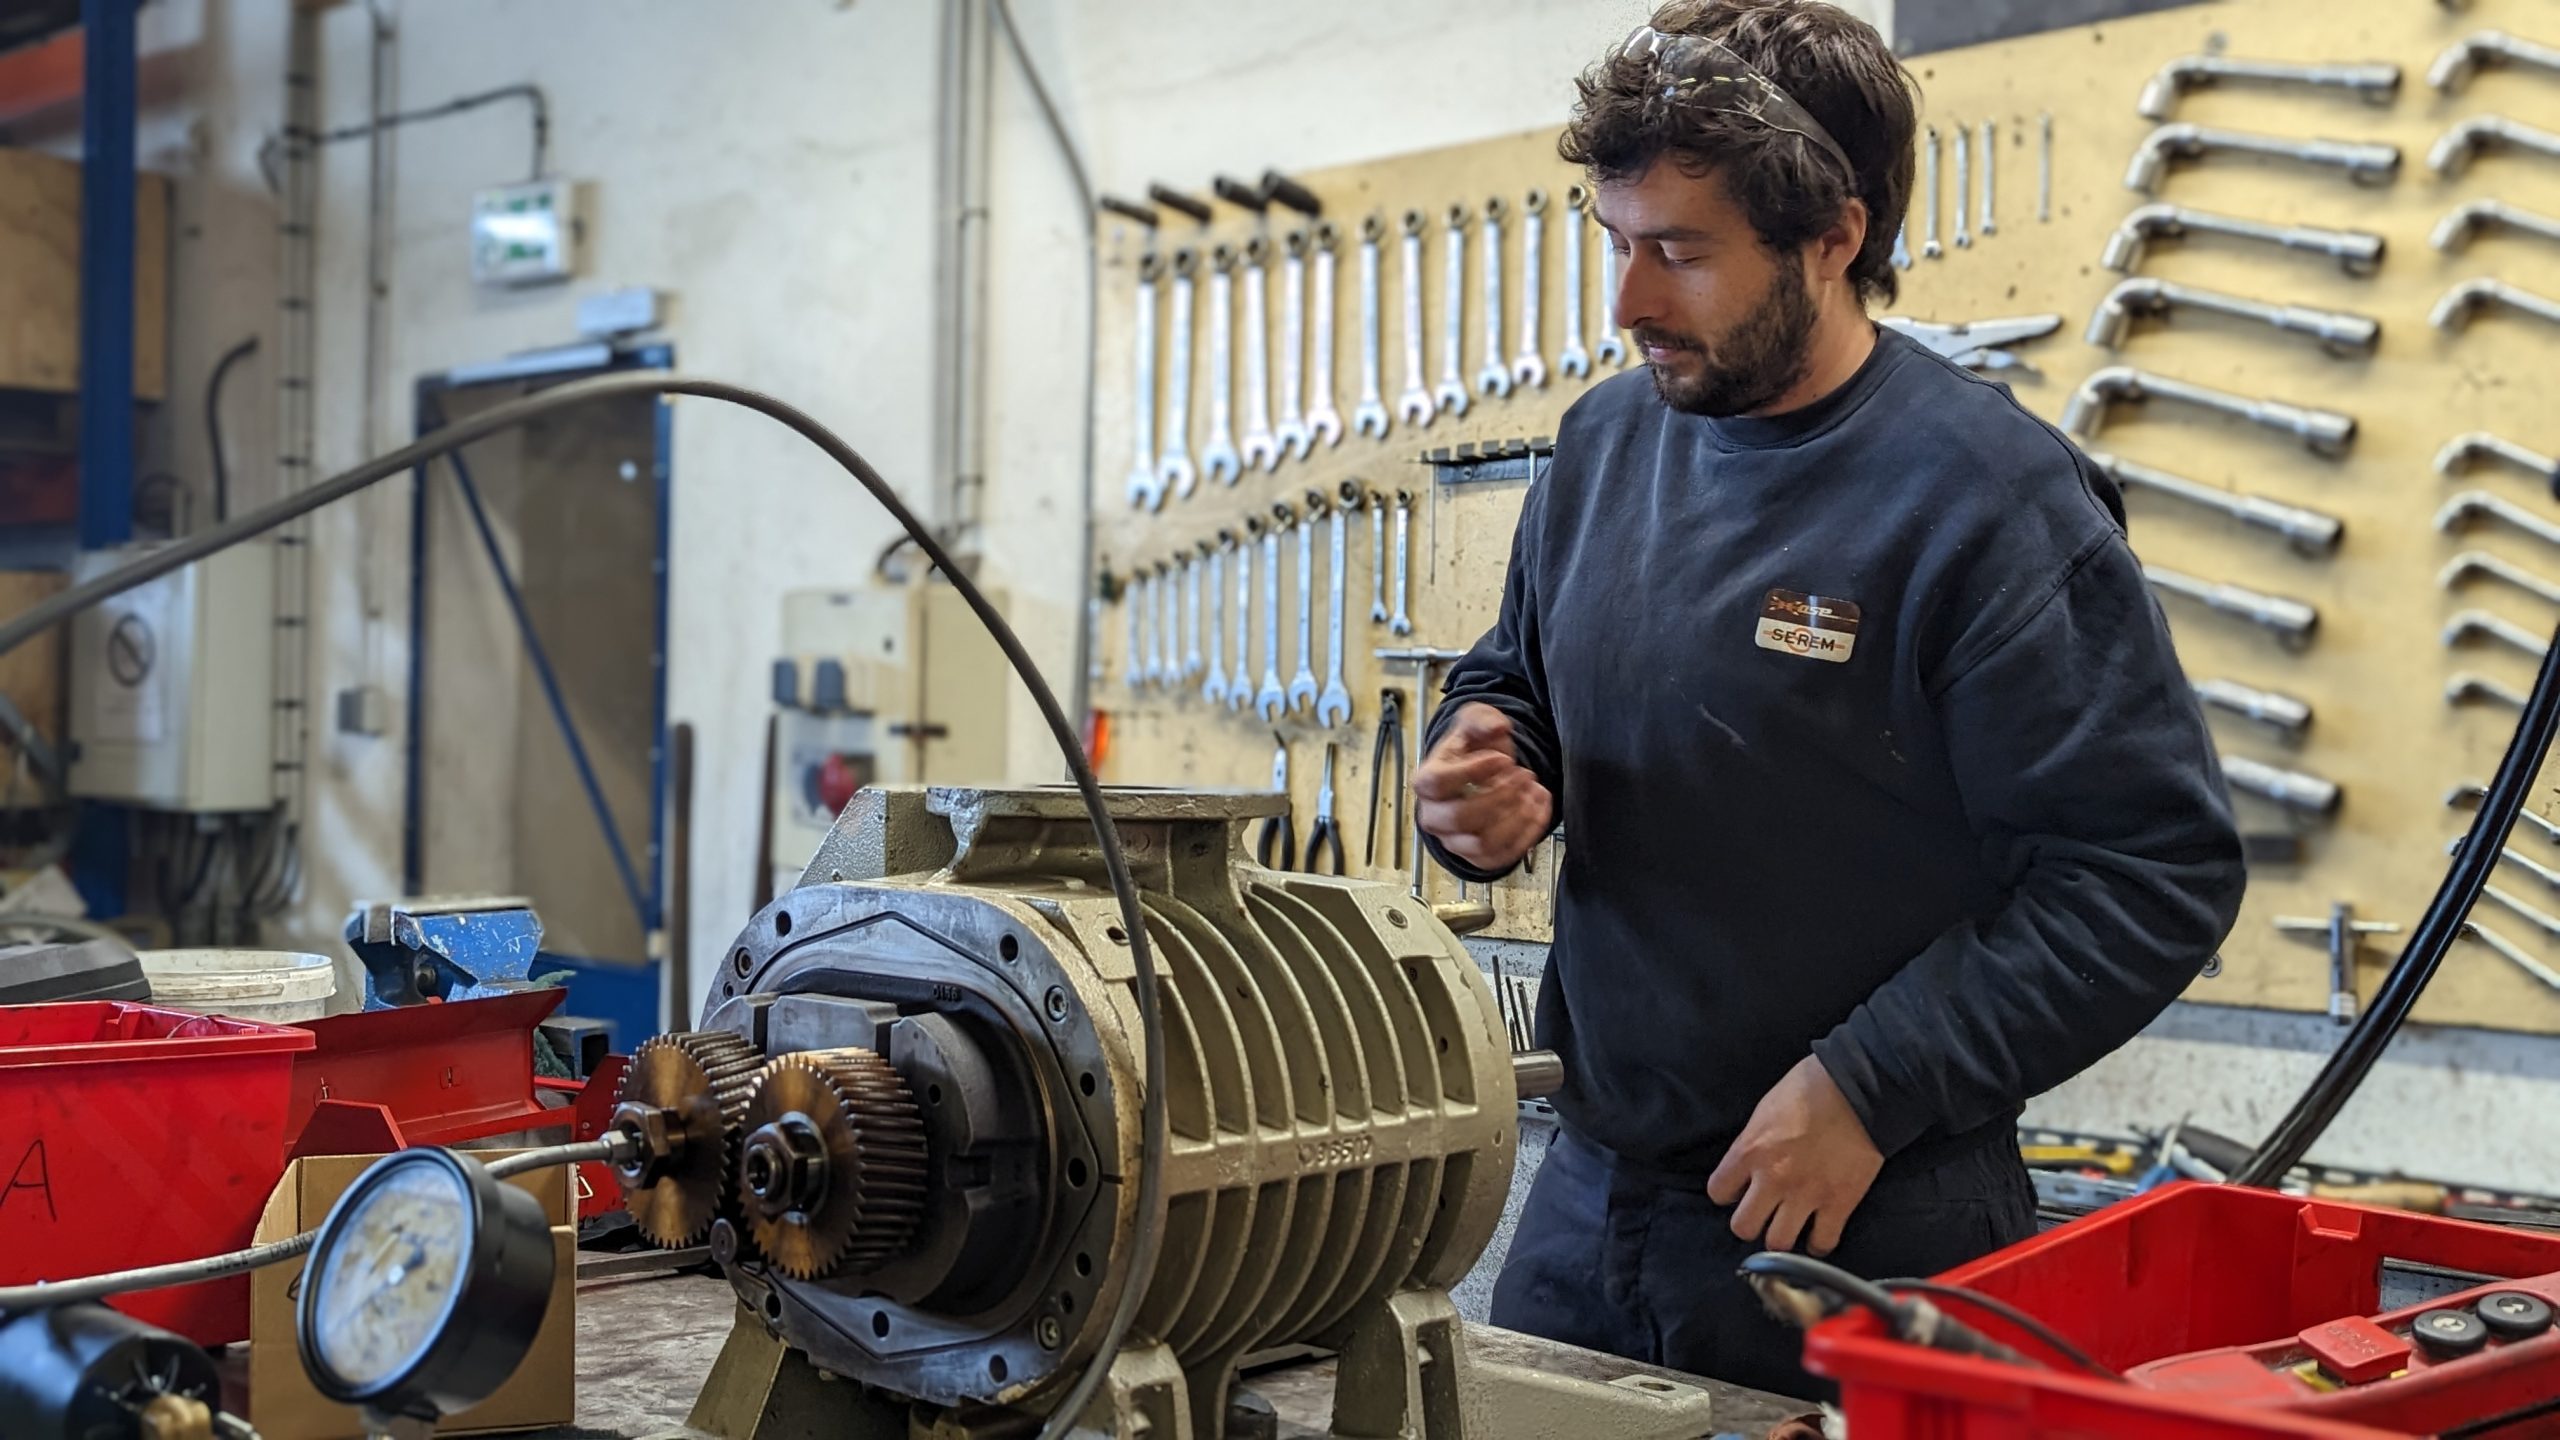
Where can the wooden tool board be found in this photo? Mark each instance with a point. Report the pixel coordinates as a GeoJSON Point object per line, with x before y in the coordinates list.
{"type": "Point", "coordinates": [2376, 670]}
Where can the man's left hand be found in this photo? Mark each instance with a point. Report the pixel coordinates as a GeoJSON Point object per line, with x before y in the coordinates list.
{"type": "Point", "coordinates": [1800, 1167]}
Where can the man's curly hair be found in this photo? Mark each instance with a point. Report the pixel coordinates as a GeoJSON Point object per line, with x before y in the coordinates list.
{"type": "Point", "coordinates": [1834, 65]}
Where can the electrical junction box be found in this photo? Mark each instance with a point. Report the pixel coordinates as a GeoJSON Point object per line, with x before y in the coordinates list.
{"type": "Point", "coordinates": [895, 683]}
{"type": "Point", "coordinates": [524, 234]}
{"type": "Point", "coordinates": [172, 685]}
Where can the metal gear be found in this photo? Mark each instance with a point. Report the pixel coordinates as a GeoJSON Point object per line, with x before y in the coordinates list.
{"type": "Point", "coordinates": [685, 1094]}
{"type": "Point", "coordinates": [831, 1174]}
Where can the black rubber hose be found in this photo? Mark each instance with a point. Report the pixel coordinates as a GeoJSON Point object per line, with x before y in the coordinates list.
{"type": "Point", "coordinates": [213, 424]}
{"type": "Point", "coordinates": [1149, 1236]}
{"type": "Point", "coordinates": [2436, 931]}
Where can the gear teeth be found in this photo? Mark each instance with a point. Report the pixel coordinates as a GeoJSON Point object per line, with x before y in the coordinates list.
{"type": "Point", "coordinates": [708, 1076]}
{"type": "Point", "coordinates": [871, 1128]}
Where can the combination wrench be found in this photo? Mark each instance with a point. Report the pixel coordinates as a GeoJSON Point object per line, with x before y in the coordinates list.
{"type": "Point", "coordinates": [1376, 505]}
{"type": "Point", "coordinates": [1169, 622]}
{"type": "Point", "coordinates": [1218, 459]}
{"type": "Point", "coordinates": [1369, 417]}
{"type": "Point", "coordinates": [1402, 624]}
{"type": "Point", "coordinates": [1964, 185]}
{"type": "Point", "coordinates": [1495, 378]}
{"type": "Point", "coordinates": [1145, 491]}
{"type": "Point", "coordinates": [1302, 686]}
{"type": "Point", "coordinates": [1333, 707]}
{"type": "Point", "coordinates": [1529, 367]}
{"type": "Point", "coordinates": [1452, 394]}
{"type": "Point", "coordinates": [1324, 422]}
{"type": "Point", "coordinates": [1610, 347]}
{"type": "Point", "coordinates": [1573, 361]}
{"type": "Point", "coordinates": [1261, 451]}
{"type": "Point", "coordinates": [1173, 468]}
{"type": "Point", "coordinates": [1133, 673]}
{"type": "Point", "coordinates": [1191, 616]}
{"type": "Point", "coordinates": [1291, 429]}
{"type": "Point", "coordinates": [1149, 624]}
{"type": "Point", "coordinates": [1929, 245]}
{"type": "Point", "coordinates": [1990, 173]}
{"type": "Point", "coordinates": [1240, 689]}
{"type": "Point", "coordinates": [1272, 700]}
{"type": "Point", "coordinates": [1214, 690]}
{"type": "Point", "coordinates": [1414, 407]}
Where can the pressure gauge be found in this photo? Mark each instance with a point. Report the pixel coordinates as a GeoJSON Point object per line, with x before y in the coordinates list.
{"type": "Point", "coordinates": [425, 1287]}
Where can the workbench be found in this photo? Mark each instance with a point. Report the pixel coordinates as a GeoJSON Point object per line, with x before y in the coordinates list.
{"type": "Point", "coordinates": [645, 1343]}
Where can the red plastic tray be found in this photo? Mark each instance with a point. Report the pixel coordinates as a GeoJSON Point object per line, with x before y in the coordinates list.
{"type": "Point", "coordinates": [132, 1135]}
{"type": "Point", "coordinates": [2183, 1269]}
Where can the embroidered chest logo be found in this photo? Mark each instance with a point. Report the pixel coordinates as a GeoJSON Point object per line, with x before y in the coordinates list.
{"type": "Point", "coordinates": [1814, 626]}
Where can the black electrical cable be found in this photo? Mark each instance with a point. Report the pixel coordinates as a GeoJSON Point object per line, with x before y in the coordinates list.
{"type": "Point", "coordinates": [1115, 862]}
{"type": "Point", "coordinates": [2051, 1339]}
{"type": "Point", "coordinates": [213, 424]}
{"type": "Point", "coordinates": [531, 94]}
{"type": "Point", "coordinates": [2436, 931]}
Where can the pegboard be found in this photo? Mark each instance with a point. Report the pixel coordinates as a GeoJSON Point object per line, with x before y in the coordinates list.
{"type": "Point", "coordinates": [2376, 670]}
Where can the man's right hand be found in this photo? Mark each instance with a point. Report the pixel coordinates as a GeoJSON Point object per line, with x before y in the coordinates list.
{"type": "Point", "coordinates": [1475, 797]}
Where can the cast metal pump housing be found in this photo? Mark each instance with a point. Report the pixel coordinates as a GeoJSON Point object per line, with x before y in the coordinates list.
{"type": "Point", "coordinates": [910, 1119]}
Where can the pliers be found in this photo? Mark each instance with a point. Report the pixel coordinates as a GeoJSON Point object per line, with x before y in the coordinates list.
{"type": "Point", "coordinates": [1324, 833]}
{"type": "Point", "coordinates": [1389, 747]}
{"type": "Point", "coordinates": [1278, 838]}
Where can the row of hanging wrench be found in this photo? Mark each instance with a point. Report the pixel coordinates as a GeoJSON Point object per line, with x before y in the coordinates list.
{"type": "Point", "coordinates": [1172, 639]}
{"type": "Point", "coordinates": [1163, 461]}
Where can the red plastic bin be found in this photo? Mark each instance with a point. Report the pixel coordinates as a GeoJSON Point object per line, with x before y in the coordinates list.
{"type": "Point", "coordinates": [132, 1135]}
{"type": "Point", "coordinates": [2183, 1269]}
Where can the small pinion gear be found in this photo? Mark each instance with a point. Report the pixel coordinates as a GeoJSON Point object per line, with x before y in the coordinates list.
{"type": "Point", "coordinates": [831, 1175]}
{"type": "Point", "coordinates": [697, 1083]}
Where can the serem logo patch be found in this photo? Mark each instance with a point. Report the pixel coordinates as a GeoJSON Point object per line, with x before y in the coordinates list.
{"type": "Point", "coordinates": [1816, 627]}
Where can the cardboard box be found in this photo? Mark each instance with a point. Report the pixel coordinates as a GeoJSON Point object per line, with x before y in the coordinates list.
{"type": "Point", "coordinates": [282, 1403]}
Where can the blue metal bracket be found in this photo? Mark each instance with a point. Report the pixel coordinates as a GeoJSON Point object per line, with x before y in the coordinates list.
{"type": "Point", "coordinates": [414, 951]}
{"type": "Point", "coordinates": [107, 104]}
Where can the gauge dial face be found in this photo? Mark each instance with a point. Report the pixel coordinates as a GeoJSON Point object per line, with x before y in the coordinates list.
{"type": "Point", "coordinates": [388, 1281]}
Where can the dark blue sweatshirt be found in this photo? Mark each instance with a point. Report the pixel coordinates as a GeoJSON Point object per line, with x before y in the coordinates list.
{"type": "Point", "coordinates": [1868, 740]}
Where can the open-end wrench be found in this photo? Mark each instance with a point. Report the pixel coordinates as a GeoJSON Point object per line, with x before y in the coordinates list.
{"type": "Point", "coordinates": [1414, 406]}
{"type": "Point", "coordinates": [1929, 245]}
{"type": "Point", "coordinates": [1191, 617]}
{"type": "Point", "coordinates": [1402, 624]}
{"type": "Point", "coordinates": [1610, 347]}
{"type": "Point", "coordinates": [1376, 505]}
{"type": "Point", "coordinates": [1218, 458]}
{"type": "Point", "coordinates": [1173, 467]}
{"type": "Point", "coordinates": [1990, 173]}
{"type": "Point", "coordinates": [1529, 367]}
{"type": "Point", "coordinates": [1573, 361]}
{"type": "Point", "coordinates": [1495, 378]}
{"type": "Point", "coordinates": [1333, 707]}
{"type": "Point", "coordinates": [1451, 396]}
{"type": "Point", "coordinates": [1214, 689]}
{"type": "Point", "coordinates": [1145, 490]}
{"type": "Point", "coordinates": [1272, 700]}
{"type": "Point", "coordinates": [1302, 686]}
{"type": "Point", "coordinates": [1902, 245]}
{"type": "Point", "coordinates": [1324, 422]}
{"type": "Point", "coordinates": [1369, 417]}
{"type": "Point", "coordinates": [1261, 451]}
{"type": "Point", "coordinates": [1291, 427]}
{"type": "Point", "coordinates": [1134, 672]}
{"type": "Point", "coordinates": [1964, 185]}
{"type": "Point", "coordinates": [1240, 689]}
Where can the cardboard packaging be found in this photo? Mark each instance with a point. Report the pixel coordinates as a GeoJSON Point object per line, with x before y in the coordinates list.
{"type": "Point", "coordinates": [282, 1403]}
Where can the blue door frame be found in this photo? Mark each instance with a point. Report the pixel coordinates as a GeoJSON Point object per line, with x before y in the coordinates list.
{"type": "Point", "coordinates": [625, 993]}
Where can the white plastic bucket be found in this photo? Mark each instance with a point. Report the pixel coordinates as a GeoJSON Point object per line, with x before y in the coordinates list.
{"type": "Point", "coordinates": [277, 986]}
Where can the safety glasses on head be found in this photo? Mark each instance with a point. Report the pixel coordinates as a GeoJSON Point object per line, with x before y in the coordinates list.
{"type": "Point", "coordinates": [1703, 72]}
